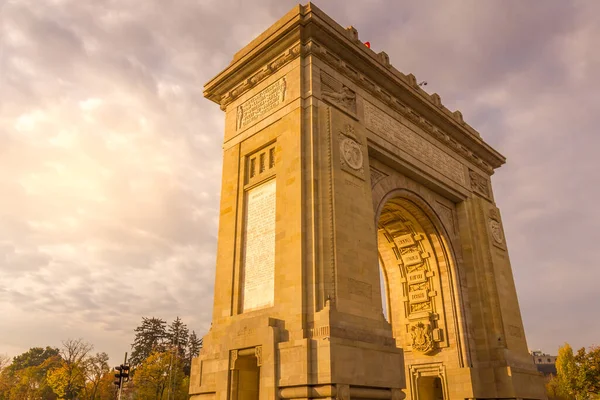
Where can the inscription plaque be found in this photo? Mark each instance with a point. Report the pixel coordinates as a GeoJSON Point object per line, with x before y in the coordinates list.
{"type": "Point", "coordinates": [412, 257]}
{"type": "Point", "coordinates": [404, 138]}
{"type": "Point", "coordinates": [418, 296]}
{"type": "Point", "coordinates": [416, 277]}
{"type": "Point", "coordinates": [259, 247]}
{"type": "Point", "coordinates": [261, 103]}
{"type": "Point", "coordinates": [404, 241]}
{"type": "Point", "coordinates": [359, 288]}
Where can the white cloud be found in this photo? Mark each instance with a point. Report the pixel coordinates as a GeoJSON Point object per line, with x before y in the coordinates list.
{"type": "Point", "coordinates": [111, 156]}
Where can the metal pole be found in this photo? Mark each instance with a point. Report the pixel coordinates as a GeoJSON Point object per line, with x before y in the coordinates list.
{"type": "Point", "coordinates": [121, 378]}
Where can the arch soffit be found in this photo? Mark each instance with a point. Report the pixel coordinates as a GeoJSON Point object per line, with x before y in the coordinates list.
{"type": "Point", "coordinates": [405, 194]}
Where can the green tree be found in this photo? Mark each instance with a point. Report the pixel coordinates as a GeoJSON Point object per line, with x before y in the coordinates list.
{"type": "Point", "coordinates": [178, 336]}
{"type": "Point", "coordinates": [34, 357]}
{"type": "Point", "coordinates": [149, 337]}
{"type": "Point", "coordinates": [193, 350]}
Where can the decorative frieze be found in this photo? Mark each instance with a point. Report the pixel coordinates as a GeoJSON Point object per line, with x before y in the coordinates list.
{"type": "Point", "coordinates": [259, 76]}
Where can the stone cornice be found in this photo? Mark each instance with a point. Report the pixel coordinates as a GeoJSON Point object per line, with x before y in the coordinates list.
{"type": "Point", "coordinates": [340, 48]}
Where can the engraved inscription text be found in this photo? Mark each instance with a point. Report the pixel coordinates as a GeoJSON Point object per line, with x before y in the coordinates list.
{"type": "Point", "coordinates": [402, 137]}
{"type": "Point", "coordinates": [261, 103]}
{"type": "Point", "coordinates": [259, 246]}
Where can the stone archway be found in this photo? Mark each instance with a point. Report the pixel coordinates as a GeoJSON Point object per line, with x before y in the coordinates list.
{"type": "Point", "coordinates": [418, 269]}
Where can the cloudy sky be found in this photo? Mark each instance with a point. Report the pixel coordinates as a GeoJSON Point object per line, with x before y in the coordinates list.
{"type": "Point", "coordinates": [110, 157]}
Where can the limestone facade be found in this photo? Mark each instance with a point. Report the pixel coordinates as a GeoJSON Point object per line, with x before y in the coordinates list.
{"type": "Point", "coordinates": [336, 168]}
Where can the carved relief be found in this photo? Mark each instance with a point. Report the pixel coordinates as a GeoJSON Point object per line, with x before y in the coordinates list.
{"type": "Point", "coordinates": [421, 339]}
{"type": "Point", "coordinates": [420, 307]}
{"type": "Point", "coordinates": [376, 176]}
{"type": "Point", "coordinates": [258, 355]}
{"type": "Point", "coordinates": [446, 215]}
{"type": "Point", "coordinates": [495, 227]}
{"type": "Point", "coordinates": [418, 266]}
{"type": "Point", "coordinates": [233, 355]}
{"type": "Point", "coordinates": [496, 231]}
{"type": "Point", "coordinates": [245, 331]}
{"type": "Point", "coordinates": [343, 392]}
{"type": "Point", "coordinates": [351, 152]}
{"type": "Point", "coordinates": [479, 184]}
{"type": "Point", "coordinates": [345, 98]}
{"type": "Point", "coordinates": [514, 331]}
{"type": "Point", "coordinates": [337, 93]}
{"type": "Point", "coordinates": [261, 103]}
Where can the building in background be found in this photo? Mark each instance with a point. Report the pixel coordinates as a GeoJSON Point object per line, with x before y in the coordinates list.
{"type": "Point", "coordinates": [544, 363]}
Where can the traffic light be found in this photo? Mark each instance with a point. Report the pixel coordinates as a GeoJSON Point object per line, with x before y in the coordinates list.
{"type": "Point", "coordinates": [125, 372]}
{"type": "Point", "coordinates": [118, 376]}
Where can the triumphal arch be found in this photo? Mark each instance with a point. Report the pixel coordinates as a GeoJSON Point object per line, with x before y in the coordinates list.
{"type": "Point", "coordinates": [360, 252]}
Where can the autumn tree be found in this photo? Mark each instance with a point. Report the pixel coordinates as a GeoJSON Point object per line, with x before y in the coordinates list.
{"type": "Point", "coordinates": [158, 377]}
{"type": "Point", "coordinates": [105, 389]}
{"type": "Point", "coordinates": [96, 368]}
{"type": "Point", "coordinates": [69, 380]}
{"type": "Point", "coordinates": [588, 365]}
{"type": "Point", "coordinates": [4, 384]}
{"type": "Point", "coordinates": [25, 377]}
{"type": "Point", "coordinates": [578, 375]}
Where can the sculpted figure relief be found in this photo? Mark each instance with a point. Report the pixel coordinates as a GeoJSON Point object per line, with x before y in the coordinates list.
{"type": "Point", "coordinates": [345, 97]}
{"type": "Point", "coordinates": [352, 153]}
{"type": "Point", "coordinates": [421, 337]}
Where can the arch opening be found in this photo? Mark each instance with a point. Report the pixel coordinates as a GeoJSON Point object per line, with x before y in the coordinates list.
{"type": "Point", "coordinates": [414, 264]}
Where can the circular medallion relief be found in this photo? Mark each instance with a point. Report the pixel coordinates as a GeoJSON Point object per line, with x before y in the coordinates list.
{"type": "Point", "coordinates": [496, 231]}
{"type": "Point", "coordinates": [352, 153]}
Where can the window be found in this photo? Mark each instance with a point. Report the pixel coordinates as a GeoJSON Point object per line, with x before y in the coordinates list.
{"type": "Point", "coordinates": [261, 165]}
